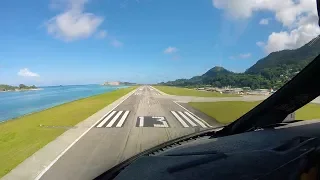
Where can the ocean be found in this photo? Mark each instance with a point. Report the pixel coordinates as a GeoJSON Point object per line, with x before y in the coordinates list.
{"type": "Point", "coordinates": [15, 104]}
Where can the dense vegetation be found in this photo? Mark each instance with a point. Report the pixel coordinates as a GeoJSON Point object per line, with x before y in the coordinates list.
{"type": "Point", "coordinates": [221, 80]}
{"type": "Point", "coordinates": [296, 58]}
{"type": "Point", "coordinates": [127, 83]}
{"type": "Point", "coordinates": [4, 87]}
{"type": "Point", "coordinates": [190, 92]}
{"type": "Point", "coordinates": [270, 72]}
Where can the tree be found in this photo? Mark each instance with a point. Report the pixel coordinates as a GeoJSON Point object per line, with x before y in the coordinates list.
{"type": "Point", "coordinates": [22, 86]}
{"type": "Point", "coordinates": [218, 84]}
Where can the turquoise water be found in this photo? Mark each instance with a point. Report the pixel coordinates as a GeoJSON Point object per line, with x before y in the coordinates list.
{"type": "Point", "coordinates": [15, 104]}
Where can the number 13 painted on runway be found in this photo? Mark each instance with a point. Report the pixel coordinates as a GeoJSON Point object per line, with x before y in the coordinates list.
{"type": "Point", "coordinates": [162, 121]}
{"type": "Point", "coordinates": [152, 121]}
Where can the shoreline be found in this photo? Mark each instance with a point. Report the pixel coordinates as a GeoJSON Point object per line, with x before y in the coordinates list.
{"type": "Point", "coordinates": [31, 113]}
{"type": "Point", "coordinates": [20, 90]}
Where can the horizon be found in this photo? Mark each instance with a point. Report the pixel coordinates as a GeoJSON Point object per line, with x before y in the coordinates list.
{"type": "Point", "coordinates": [83, 42]}
{"type": "Point", "coordinates": [65, 85]}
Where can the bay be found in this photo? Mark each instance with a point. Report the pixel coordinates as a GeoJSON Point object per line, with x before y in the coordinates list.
{"type": "Point", "coordinates": [15, 104]}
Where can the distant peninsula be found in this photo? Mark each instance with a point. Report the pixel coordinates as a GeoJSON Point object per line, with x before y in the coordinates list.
{"type": "Point", "coordinates": [21, 87]}
{"type": "Point", "coordinates": [117, 83]}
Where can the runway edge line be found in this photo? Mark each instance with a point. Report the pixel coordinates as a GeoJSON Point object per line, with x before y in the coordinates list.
{"type": "Point", "coordinates": [74, 142]}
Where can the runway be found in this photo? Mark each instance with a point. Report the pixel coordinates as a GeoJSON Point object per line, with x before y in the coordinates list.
{"type": "Point", "coordinates": [143, 120]}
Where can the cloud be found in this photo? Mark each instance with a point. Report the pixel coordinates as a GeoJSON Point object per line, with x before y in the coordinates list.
{"type": "Point", "coordinates": [292, 39]}
{"type": "Point", "coordinates": [25, 72]}
{"type": "Point", "coordinates": [285, 10]}
{"type": "Point", "coordinates": [264, 21]}
{"type": "Point", "coordinates": [170, 50]}
{"type": "Point", "coordinates": [73, 23]}
{"type": "Point", "coordinates": [298, 17]}
{"type": "Point", "coordinates": [102, 34]}
{"type": "Point", "coordinates": [116, 43]}
{"type": "Point", "coordinates": [241, 56]}
{"type": "Point", "coordinates": [260, 44]}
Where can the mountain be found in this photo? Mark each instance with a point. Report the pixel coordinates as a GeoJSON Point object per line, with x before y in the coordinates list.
{"type": "Point", "coordinates": [269, 72]}
{"type": "Point", "coordinates": [217, 70]}
{"type": "Point", "coordinates": [298, 57]}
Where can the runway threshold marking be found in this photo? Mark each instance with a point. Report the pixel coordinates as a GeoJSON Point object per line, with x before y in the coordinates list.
{"type": "Point", "coordinates": [186, 119]}
{"type": "Point", "coordinates": [203, 121]}
{"type": "Point", "coordinates": [184, 124]}
{"type": "Point", "coordinates": [196, 120]}
{"type": "Point", "coordinates": [114, 119]}
{"type": "Point", "coordinates": [115, 116]}
{"type": "Point", "coordinates": [137, 93]}
{"type": "Point", "coordinates": [106, 119]}
{"type": "Point", "coordinates": [120, 123]}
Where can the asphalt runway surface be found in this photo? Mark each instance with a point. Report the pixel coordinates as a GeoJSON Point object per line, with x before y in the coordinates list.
{"type": "Point", "coordinates": [143, 120]}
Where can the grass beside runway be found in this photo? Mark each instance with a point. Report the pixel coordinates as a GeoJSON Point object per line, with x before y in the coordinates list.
{"type": "Point", "coordinates": [228, 111]}
{"type": "Point", "coordinates": [21, 137]}
{"type": "Point", "coordinates": [190, 92]}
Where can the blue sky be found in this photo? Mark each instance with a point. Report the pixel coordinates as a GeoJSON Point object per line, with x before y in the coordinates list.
{"type": "Point", "coordinates": [145, 41]}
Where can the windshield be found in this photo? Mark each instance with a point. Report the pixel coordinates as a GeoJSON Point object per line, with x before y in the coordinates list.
{"type": "Point", "coordinates": [87, 84]}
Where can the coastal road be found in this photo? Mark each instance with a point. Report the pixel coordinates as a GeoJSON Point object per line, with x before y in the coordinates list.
{"type": "Point", "coordinates": [143, 120]}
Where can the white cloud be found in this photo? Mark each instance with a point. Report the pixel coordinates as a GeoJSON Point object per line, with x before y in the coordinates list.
{"type": "Point", "coordinates": [116, 43]}
{"type": "Point", "coordinates": [264, 21]}
{"type": "Point", "coordinates": [292, 39]}
{"type": "Point", "coordinates": [73, 23]}
{"type": "Point", "coordinates": [299, 18]}
{"type": "Point", "coordinates": [170, 50]}
{"type": "Point", "coordinates": [260, 44]}
{"type": "Point", "coordinates": [284, 9]}
{"type": "Point", "coordinates": [101, 34]}
{"type": "Point", "coordinates": [25, 72]}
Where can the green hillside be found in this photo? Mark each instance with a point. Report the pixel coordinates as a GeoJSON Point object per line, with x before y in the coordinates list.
{"type": "Point", "coordinates": [217, 70]}
{"type": "Point", "coordinates": [291, 58]}
{"type": "Point", "coordinates": [270, 72]}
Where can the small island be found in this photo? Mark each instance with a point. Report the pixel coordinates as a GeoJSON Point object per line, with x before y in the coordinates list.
{"type": "Point", "coordinates": [21, 87]}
